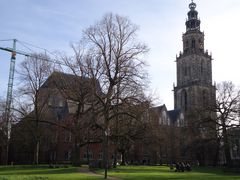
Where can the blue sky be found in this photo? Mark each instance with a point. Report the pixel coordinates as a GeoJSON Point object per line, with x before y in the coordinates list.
{"type": "Point", "coordinates": [54, 24]}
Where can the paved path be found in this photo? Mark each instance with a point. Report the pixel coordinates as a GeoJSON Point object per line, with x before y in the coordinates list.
{"type": "Point", "coordinates": [87, 171]}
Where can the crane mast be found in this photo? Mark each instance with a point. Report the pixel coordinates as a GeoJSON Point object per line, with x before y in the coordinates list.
{"type": "Point", "coordinates": [10, 87]}
{"type": "Point", "coordinates": [10, 83]}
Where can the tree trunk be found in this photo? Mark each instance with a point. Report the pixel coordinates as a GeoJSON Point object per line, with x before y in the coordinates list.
{"type": "Point", "coordinates": [37, 128]}
{"type": "Point", "coordinates": [88, 159]}
{"type": "Point", "coordinates": [37, 152]}
{"type": "Point", "coordinates": [76, 155]}
{"type": "Point", "coordinates": [123, 163]}
{"type": "Point", "coordinates": [105, 153]}
{"type": "Point", "coordinates": [216, 159]}
{"type": "Point", "coordinates": [226, 147]}
{"type": "Point", "coordinates": [7, 151]}
{"type": "Point", "coordinates": [115, 159]}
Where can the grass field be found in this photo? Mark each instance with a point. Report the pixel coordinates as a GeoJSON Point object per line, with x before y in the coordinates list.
{"type": "Point", "coordinates": [164, 173]}
{"type": "Point", "coordinates": [123, 172]}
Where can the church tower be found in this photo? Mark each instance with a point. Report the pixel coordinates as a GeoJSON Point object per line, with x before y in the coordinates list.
{"type": "Point", "coordinates": [194, 90]}
{"type": "Point", "coordinates": [194, 68]}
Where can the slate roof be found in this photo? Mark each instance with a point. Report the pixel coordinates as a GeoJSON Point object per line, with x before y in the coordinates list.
{"type": "Point", "coordinates": [63, 80]}
{"type": "Point", "coordinates": [158, 108]}
{"type": "Point", "coordinates": [174, 114]}
{"type": "Point", "coordinates": [73, 84]}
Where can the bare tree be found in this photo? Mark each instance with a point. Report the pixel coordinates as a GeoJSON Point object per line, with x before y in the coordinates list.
{"type": "Point", "coordinates": [112, 57]}
{"type": "Point", "coordinates": [129, 126]}
{"type": "Point", "coordinates": [224, 116]}
{"type": "Point", "coordinates": [3, 137]}
{"type": "Point", "coordinates": [33, 72]}
{"type": "Point", "coordinates": [227, 109]}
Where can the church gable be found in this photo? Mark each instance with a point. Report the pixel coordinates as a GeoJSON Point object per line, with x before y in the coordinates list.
{"type": "Point", "coordinates": [160, 115]}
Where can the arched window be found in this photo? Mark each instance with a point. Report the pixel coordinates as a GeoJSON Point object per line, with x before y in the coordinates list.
{"type": "Point", "coordinates": [189, 71]}
{"type": "Point", "coordinates": [201, 67]}
{"type": "Point", "coordinates": [192, 24]}
{"type": "Point", "coordinates": [186, 44]}
{"type": "Point", "coordinates": [193, 43]}
{"type": "Point", "coordinates": [184, 100]}
{"type": "Point", "coordinates": [204, 98]}
{"type": "Point", "coordinates": [185, 70]}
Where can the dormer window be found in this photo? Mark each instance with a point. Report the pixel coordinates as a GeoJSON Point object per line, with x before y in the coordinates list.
{"type": "Point", "coordinates": [50, 101]}
{"type": "Point", "coordinates": [164, 117]}
{"type": "Point", "coordinates": [72, 106]}
{"type": "Point", "coordinates": [60, 103]}
{"type": "Point", "coordinates": [56, 101]}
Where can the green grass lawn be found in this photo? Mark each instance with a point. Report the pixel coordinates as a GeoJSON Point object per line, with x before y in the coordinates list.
{"type": "Point", "coordinates": [122, 172]}
{"type": "Point", "coordinates": [163, 172]}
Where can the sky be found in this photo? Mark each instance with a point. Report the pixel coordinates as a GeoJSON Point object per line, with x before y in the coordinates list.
{"type": "Point", "coordinates": [55, 24]}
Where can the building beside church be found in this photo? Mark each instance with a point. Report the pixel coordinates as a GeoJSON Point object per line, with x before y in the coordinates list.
{"type": "Point", "coordinates": [235, 144]}
{"type": "Point", "coordinates": [195, 92]}
{"type": "Point", "coordinates": [162, 140]}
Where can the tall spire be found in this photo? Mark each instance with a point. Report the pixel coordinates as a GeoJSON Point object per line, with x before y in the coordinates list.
{"type": "Point", "coordinates": [192, 23]}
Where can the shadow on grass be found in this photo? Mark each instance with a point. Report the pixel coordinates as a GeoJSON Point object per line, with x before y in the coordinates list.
{"type": "Point", "coordinates": [33, 170]}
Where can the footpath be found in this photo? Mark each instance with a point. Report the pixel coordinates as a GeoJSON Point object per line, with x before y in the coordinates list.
{"type": "Point", "coordinates": [92, 173]}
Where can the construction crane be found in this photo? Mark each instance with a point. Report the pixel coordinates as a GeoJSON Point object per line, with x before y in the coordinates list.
{"type": "Point", "coordinates": [10, 89]}
{"type": "Point", "coordinates": [10, 82]}
{"type": "Point", "coordinates": [12, 70]}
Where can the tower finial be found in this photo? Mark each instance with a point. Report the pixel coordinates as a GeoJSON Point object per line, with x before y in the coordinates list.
{"type": "Point", "coordinates": [192, 5]}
